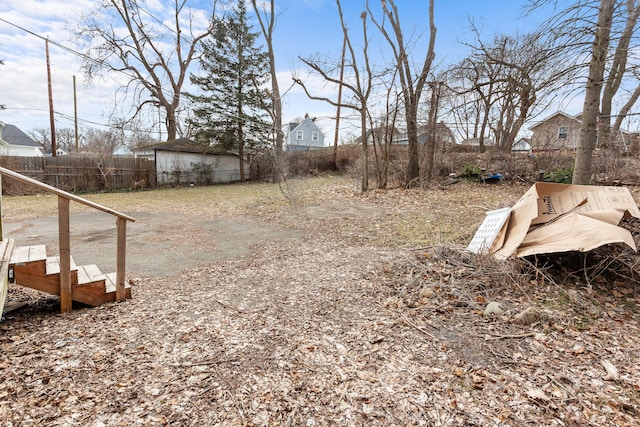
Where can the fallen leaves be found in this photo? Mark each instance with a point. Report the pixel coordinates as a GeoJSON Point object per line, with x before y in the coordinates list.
{"type": "Point", "coordinates": [340, 326]}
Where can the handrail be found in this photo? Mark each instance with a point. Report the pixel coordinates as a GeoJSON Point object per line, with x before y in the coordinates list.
{"type": "Point", "coordinates": [65, 240]}
{"type": "Point", "coordinates": [62, 193]}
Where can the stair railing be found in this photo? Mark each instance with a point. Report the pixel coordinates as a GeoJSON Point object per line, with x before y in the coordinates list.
{"type": "Point", "coordinates": [64, 239]}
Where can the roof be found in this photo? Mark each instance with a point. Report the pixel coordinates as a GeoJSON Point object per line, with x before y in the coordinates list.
{"type": "Point", "coordinates": [14, 136]}
{"type": "Point", "coordinates": [185, 145]}
{"type": "Point", "coordinates": [558, 113]}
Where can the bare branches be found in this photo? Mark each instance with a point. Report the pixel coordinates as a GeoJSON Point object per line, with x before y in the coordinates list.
{"type": "Point", "coordinates": [126, 38]}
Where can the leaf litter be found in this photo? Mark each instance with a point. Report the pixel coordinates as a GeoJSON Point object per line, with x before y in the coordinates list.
{"type": "Point", "coordinates": [375, 315]}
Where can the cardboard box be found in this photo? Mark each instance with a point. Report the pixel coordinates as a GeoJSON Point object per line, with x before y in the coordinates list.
{"type": "Point", "coordinates": [552, 217]}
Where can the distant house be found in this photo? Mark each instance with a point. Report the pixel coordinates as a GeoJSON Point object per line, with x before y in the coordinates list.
{"type": "Point", "coordinates": [378, 134]}
{"type": "Point", "coordinates": [521, 146]}
{"type": "Point", "coordinates": [475, 142]}
{"type": "Point", "coordinates": [14, 142]}
{"type": "Point", "coordinates": [304, 136]}
{"type": "Point", "coordinates": [559, 131]}
{"type": "Point", "coordinates": [444, 136]}
{"type": "Point", "coordinates": [187, 162]}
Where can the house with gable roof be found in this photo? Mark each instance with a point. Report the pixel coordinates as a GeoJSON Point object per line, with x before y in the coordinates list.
{"type": "Point", "coordinates": [304, 135]}
{"type": "Point", "coordinates": [559, 131]}
{"type": "Point", "coordinates": [14, 142]}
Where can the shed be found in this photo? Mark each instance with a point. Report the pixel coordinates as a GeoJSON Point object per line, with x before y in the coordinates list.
{"type": "Point", "coordinates": [183, 161]}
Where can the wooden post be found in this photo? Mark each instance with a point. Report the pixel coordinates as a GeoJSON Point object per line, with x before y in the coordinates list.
{"type": "Point", "coordinates": [121, 250]}
{"type": "Point", "coordinates": [64, 241]}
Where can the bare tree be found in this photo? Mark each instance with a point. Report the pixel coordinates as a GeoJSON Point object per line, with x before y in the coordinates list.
{"type": "Point", "coordinates": [123, 36]}
{"type": "Point", "coordinates": [383, 132]}
{"type": "Point", "coordinates": [602, 31]}
{"type": "Point", "coordinates": [412, 82]}
{"type": "Point", "coordinates": [618, 71]}
{"type": "Point", "coordinates": [507, 79]}
{"type": "Point", "coordinates": [588, 130]}
{"type": "Point", "coordinates": [360, 86]}
{"type": "Point", "coordinates": [267, 25]}
{"type": "Point", "coordinates": [102, 142]}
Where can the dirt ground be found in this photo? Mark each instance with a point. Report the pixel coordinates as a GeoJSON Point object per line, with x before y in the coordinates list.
{"type": "Point", "coordinates": [316, 306]}
{"type": "Point", "coordinates": [158, 245]}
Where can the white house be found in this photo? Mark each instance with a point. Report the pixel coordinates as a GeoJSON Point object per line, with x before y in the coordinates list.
{"type": "Point", "coordinates": [521, 146]}
{"type": "Point", "coordinates": [14, 142]}
{"type": "Point", "coordinates": [304, 136]}
{"type": "Point", "coordinates": [187, 162]}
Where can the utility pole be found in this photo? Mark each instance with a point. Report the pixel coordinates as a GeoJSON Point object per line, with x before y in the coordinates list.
{"type": "Point", "coordinates": [75, 113]}
{"type": "Point", "coordinates": [51, 119]}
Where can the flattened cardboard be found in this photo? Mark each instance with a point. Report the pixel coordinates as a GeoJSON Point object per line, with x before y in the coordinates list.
{"type": "Point", "coordinates": [553, 217]}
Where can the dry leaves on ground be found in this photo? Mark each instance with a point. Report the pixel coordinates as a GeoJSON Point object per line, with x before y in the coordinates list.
{"type": "Point", "coordinates": [359, 321]}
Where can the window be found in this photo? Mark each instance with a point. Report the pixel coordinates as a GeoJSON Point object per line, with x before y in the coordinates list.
{"type": "Point", "coordinates": [299, 135]}
{"type": "Point", "coordinates": [315, 136]}
{"type": "Point", "coordinates": [563, 131]}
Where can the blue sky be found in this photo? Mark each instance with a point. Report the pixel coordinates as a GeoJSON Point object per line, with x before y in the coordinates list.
{"type": "Point", "coordinates": [304, 28]}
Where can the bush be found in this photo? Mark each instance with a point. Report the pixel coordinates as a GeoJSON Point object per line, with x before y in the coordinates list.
{"type": "Point", "coordinates": [471, 172]}
{"type": "Point", "coordinates": [561, 176]}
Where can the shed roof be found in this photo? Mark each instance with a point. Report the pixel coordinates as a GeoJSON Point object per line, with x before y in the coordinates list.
{"type": "Point", "coordinates": [185, 145]}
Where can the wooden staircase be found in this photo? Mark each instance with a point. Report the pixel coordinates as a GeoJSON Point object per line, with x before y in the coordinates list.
{"type": "Point", "coordinates": [30, 266]}
{"type": "Point", "coordinates": [33, 269]}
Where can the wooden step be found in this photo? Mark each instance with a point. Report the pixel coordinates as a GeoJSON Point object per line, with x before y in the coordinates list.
{"type": "Point", "coordinates": [24, 254]}
{"type": "Point", "coordinates": [30, 259]}
{"type": "Point", "coordinates": [32, 268]}
{"type": "Point", "coordinates": [111, 286]}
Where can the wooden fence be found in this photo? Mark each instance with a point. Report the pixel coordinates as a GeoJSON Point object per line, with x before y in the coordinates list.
{"type": "Point", "coordinates": [81, 173]}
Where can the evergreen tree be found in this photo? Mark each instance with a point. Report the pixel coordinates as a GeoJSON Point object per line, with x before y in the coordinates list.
{"type": "Point", "coordinates": [230, 113]}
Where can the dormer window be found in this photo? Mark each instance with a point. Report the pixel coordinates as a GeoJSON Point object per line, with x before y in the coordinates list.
{"type": "Point", "coordinates": [563, 131]}
{"type": "Point", "coordinates": [299, 135]}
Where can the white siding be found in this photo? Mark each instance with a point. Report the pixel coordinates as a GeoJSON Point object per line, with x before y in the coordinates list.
{"type": "Point", "coordinates": [185, 168]}
{"type": "Point", "coordinates": [20, 150]}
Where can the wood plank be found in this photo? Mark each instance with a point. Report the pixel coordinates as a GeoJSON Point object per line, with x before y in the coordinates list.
{"type": "Point", "coordinates": [27, 278]}
{"type": "Point", "coordinates": [6, 247]}
{"type": "Point", "coordinates": [64, 241]}
{"type": "Point", "coordinates": [121, 250]}
{"type": "Point", "coordinates": [37, 253]}
{"type": "Point", "coordinates": [24, 254]}
{"type": "Point", "coordinates": [110, 286]}
{"type": "Point", "coordinates": [53, 264]}
{"type": "Point", "coordinates": [14, 305]}
{"type": "Point", "coordinates": [92, 294]}
{"type": "Point", "coordinates": [89, 274]}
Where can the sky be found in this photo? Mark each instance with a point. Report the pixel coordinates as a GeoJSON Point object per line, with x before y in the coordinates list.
{"type": "Point", "coordinates": [304, 28]}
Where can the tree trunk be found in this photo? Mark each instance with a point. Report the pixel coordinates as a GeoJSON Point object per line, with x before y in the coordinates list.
{"type": "Point", "coordinates": [365, 151]}
{"type": "Point", "coordinates": [413, 165]}
{"type": "Point", "coordinates": [589, 129]}
{"type": "Point", "coordinates": [172, 124]}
